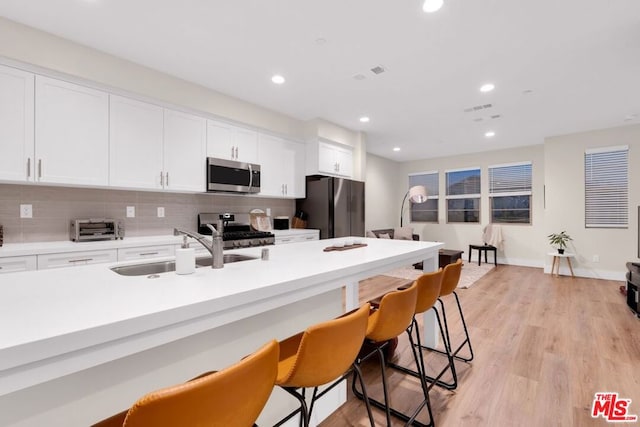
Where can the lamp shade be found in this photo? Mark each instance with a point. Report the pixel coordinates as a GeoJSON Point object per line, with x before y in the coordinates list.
{"type": "Point", "coordinates": [418, 194]}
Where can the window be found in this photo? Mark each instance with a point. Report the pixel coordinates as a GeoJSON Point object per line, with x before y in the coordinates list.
{"type": "Point", "coordinates": [427, 211]}
{"type": "Point", "coordinates": [463, 195]}
{"type": "Point", "coordinates": [510, 193]}
{"type": "Point", "coordinates": [606, 185]}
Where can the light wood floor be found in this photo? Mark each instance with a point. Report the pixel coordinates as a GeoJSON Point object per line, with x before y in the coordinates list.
{"type": "Point", "coordinates": [543, 346]}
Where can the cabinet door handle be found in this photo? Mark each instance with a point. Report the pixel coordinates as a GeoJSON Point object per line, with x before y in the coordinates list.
{"type": "Point", "coordinates": [167, 178]}
{"type": "Point", "coordinates": [236, 153]}
{"type": "Point", "coordinates": [161, 179]}
{"type": "Point", "coordinates": [233, 156]}
{"type": "Point", "coordinates": [80, 260]}
{"type": "Point", "coordinates": [28, 167]}
{"type": "Point", "coordinates": [148, 253]}
{"type": "Point", "coordinates": [39, 169]}
{"type": "Point", "coordinates": [286, 189]}
{"type": "Point", "coordinates": [310, 238]}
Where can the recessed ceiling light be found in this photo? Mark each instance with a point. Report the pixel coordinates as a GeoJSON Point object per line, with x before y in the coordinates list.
{"type": "Point", "coordinates": [488, 87]}
{"type": "Point", "coordinates": [321, 40]}
{"type": "Point", "coordinates": [490, 134]}
{"type": "Point", "coordinates": [527, 91]}
{"type": "Point", "coordinates": [364, 119]}
{"type": "Point", "coordinates": [396, 148]}
{"type": "Point", "coordinates": [277, 79]}
{"type": "Point", "coordinates": [630, 117]}
{"type": "Point", "coordinates": [431, 6]}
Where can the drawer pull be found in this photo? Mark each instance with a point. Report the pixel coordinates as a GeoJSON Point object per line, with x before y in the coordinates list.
{"type": "Point", "coordinates": [148, 253]}
{"type": "Point", "coordinates": [81, 260]}
{"type": "Point", "coordinates": [310, 238]}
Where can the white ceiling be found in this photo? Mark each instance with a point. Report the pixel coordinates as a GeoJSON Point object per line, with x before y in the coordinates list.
{"type": "Point", "coordinates": [580, 59]}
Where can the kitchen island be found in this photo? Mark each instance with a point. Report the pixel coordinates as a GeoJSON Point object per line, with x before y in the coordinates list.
{"type": "Point", "coordinates": [78, 344]}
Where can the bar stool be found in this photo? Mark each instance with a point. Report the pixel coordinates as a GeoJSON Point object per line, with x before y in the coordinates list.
{"type": "Point", "coordinates": [214, 399]}
{"type": "Point", "coordinates": [429, 288]}
{"type": "Point", "coordinates": [450, 279]}
{"type": "Point", "coordinates": [322, 353]}
{"type": "Point", "coordinates": [393, 316]}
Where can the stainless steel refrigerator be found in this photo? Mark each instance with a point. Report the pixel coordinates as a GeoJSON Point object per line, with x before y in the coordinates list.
{"type": "Point", "coordinates": [335, 206]}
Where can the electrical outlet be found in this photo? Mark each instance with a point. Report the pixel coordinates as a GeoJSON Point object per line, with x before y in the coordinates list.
{"type": "Point", "coordinates": [26, 211]}
{"type": "Point", "coordinates": [596, 258]}
{"type": "Point", "coordinates": [268, 211]}
{"type": "Point", "coordinates": [160, 212]}
{"type": "Point", "coordinates": [131, 211]}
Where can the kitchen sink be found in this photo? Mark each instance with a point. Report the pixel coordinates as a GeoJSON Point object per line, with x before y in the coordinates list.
{"type": "Point", "coordinates": [152, 268]}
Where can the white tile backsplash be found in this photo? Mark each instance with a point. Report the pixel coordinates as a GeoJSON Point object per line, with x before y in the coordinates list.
{"type": "Point", "coordinates": [54, 207]}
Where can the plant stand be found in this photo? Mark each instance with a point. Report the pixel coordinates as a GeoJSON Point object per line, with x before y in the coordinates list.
{"type": "Point", "coordinates": [555, 265]}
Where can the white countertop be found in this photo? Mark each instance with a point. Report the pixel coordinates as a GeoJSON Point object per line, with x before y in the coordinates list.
{"type": "Point", "coordinates": [65, 320]}
{"type": "Point", "coordinates": [36, 248]}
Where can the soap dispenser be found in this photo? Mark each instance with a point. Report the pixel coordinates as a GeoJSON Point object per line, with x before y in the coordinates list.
{"type": "Point", "coordinates": [185, 258]}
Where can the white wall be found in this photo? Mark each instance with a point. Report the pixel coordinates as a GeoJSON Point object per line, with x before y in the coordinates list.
{"type": "Point", "coordinates": [381, 191]}
{"type": "Point", "coordinates": [564, 178]}
{"type": "Point", "coordinates": [523, 245]}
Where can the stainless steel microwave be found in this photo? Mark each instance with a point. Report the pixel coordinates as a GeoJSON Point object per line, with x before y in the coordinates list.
{"type": "Point", "coordinates": [232, 176]}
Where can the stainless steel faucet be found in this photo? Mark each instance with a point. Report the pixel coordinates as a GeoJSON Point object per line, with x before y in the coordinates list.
{"type": "Point", "coordinates": [214, 248]}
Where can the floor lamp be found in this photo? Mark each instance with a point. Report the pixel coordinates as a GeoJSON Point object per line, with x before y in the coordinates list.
{"type": "Point", "coordinates": [416, 194]}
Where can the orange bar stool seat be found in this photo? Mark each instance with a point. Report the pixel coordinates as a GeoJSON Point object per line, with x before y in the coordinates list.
{"type": "Point", "coordinates": [393, 316]}
{"type": "Point", "coordinates": [218, 399]}
{"type": "Point", "coordinates": [323, 353]}
{"type": "Point", "coordinates": [450, 279]}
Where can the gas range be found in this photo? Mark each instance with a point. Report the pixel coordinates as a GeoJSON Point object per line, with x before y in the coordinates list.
{"type": "Point", "coordinates": [235, 234]}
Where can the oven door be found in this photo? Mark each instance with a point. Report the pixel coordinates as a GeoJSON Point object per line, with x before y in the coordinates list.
{"type": "Point", "coordinates": [231, 176]}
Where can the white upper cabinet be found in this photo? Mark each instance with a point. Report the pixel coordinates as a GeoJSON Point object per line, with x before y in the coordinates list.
{"type": "Point", "coordinates": [184, 151]}
{"type": "Point", "coordinates": [71, 133]}
{"type": "Point", "coordinates": [334, 159]}
{"type": "Point", "coordinates": [328, 158]}
{"type": "Point", "coordinates": [16, 125]}
{"type": "Point", "coordinates": [226, 141]}
{"type": "Point", "coordinates": [281, 167]}
{"type": "Point", "coordinates": [135, 149]}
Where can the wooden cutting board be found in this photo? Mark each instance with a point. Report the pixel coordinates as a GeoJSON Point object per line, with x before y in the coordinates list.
{"type": "Point", "coordinates": [344, 248]}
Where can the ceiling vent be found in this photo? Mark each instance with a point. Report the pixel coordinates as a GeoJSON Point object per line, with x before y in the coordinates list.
{"type": "Point", "coordinates": [478, 108]}
{"type": "Point", "coordinates": [378, 69]}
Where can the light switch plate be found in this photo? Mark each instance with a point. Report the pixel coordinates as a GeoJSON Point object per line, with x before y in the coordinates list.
{"type": "Point", "coordinates": [160, 212]}
{"type": "Point", "coordinates": [26, 211]}
{"type": "Point", "coordinates": [131, 211]}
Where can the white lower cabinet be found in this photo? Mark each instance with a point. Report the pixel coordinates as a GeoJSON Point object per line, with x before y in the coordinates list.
{"type": "Point", "coordinates": [129, 254]}
{"type": "Point", "coordinates": [71, 259]}
{"type": "Point", "coordinates": [18, 263]}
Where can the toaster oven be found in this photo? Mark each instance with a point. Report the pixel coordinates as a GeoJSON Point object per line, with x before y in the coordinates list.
{"type": "Point", "coordinates": [83, 230]}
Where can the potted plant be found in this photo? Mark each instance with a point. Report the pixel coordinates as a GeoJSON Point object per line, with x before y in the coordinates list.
{"type": "Point", "coordinates": [560, 240]}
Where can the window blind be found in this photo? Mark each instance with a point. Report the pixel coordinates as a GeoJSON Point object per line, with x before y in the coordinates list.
{"type": "Point", "coordinates": [607, 187]}
{"type": "Point", "coordinates": [510, 179]}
